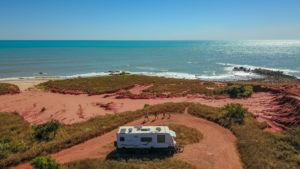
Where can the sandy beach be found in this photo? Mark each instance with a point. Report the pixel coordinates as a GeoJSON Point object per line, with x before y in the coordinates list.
{"type": "Point", "coordinates": [25, 84]}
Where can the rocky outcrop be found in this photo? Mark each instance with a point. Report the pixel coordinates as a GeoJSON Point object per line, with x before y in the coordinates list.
{"type": "Point", "coordinates": [264, 72]}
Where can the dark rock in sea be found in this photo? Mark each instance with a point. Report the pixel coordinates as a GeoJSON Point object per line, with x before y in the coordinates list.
{"type": "Point", "coordinates": [272, 73]}
{"type": "Point", "coordinates": [265, 72]}
{"type": "Point", "coordinates": [243, 69]}
{"type": "Point", "coordinates": [111, 72]}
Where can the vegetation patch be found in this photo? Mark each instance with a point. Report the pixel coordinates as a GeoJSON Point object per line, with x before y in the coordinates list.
{"type": "Point", "coordinates": [233, 114]}
{"type": "Point", "coordinates": [45, 132]}
{"type": "Point", "coordinates": [45, 162]}
{"type": "Point", "coordinates": [237, 91]}
{"type": "Point", "coordinates": [15, 135]}
{"type": "Point", "coordinates": [169, 163]}
{"type": "Point", "coordinates": [6, 88]}
{"type": "Point", "coordinates": [186, 135]}
{"type": "Point", "coordinates": [110, 84]}
{"type": "Point", "coordinates": [260, 149]}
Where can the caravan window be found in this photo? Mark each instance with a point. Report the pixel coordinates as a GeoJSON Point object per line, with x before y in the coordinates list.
{"type": "Point", "coordinates": [146, 139]}
{"type": "Point", "coordinates": [161, 138]}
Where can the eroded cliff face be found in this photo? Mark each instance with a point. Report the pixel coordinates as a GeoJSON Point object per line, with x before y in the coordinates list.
{"type": "Point", "coordinates": [289, 111]}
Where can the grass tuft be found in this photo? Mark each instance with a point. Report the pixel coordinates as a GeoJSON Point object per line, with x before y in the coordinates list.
{"type": "Point", "coordinates": [186, 135]}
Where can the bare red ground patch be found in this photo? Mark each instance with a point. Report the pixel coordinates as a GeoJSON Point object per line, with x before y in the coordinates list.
{"type": "Point", "coordinates": [70, 109]}
{"type": "Point", "coordinates": [138, 89]}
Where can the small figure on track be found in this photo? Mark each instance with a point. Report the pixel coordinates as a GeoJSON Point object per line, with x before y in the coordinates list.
{"type": "Point", "coordinates": [146, 117]}
{"type": "Point", "coordinates": [155, 115]}
{"type": "Point", "coordinates": [163, 115]}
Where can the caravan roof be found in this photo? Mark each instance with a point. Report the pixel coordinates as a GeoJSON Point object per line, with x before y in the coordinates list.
{"type": "Point", "coordinates": [144, 129]}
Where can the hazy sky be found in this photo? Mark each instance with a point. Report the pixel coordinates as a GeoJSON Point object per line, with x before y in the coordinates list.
{"type": "Point", "coordinates": [149, 19]}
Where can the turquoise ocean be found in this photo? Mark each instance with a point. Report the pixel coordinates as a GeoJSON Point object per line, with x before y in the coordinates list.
{"type": "Point", "coordinates": [212, 60]}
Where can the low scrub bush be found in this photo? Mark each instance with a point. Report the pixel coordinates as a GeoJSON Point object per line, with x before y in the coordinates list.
{"type": "Point", "coordinates": [45, 162]}
{"type": "Point", "coordinates": [237, 91]}
{"type": "Point", "coordinates": [233, 113]}
{"type": "Point", "coordinates": [6, 88]}
{"type": "Point", "coordinates": [45, 132]}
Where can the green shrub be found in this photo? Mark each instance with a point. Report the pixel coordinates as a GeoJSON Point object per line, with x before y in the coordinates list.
{"type": "Point", "coordinates": [146, 105]}
{"type": "Point", "coordinates": [233, 113]}
{"type": "Point", "coordinates": [237, 91]}
{"type": "Point", "coordinates": [45, 162]}
{"type": "Point", "coordinates": [45, 132]}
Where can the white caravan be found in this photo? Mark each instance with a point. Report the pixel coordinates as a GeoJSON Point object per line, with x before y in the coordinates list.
{"type": "Point", "coordinates": [146, 137]}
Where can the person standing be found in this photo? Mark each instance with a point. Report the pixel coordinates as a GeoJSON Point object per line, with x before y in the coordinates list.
{"type": "Point", "coordinates": [155, 115]}
{"type": "Point", "coordinates": [146, 116]}
{"type": "Point", "coordinates": [164, 115]}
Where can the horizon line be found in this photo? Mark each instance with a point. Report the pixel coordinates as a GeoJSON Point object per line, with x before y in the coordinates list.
{"type": "Point", "coordinates": [148, 39]}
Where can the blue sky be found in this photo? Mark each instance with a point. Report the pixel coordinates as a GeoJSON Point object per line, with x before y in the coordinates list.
{"type": "Point", "coordinates": [150, 19]}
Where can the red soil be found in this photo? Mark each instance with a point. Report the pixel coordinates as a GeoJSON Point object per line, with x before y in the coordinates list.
{"type": "Point", "coordinates": [70, 109]}
{"type": "Point", "coordinates": [138, 89]}
{"type": "Point", "coordinates": [216, 149]}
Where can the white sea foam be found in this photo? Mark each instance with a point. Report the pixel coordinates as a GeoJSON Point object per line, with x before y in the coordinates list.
{"type": "Point", "coordinates": [87, 75]}
{"type": "Point", "coordinates": [147, 68]}
{"type": "Point", "coordinates": [56, 77]}
{"type": "Point", "coordinates": [228, 74]}
{"type": "Point", "coordinates": [176, 75]}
